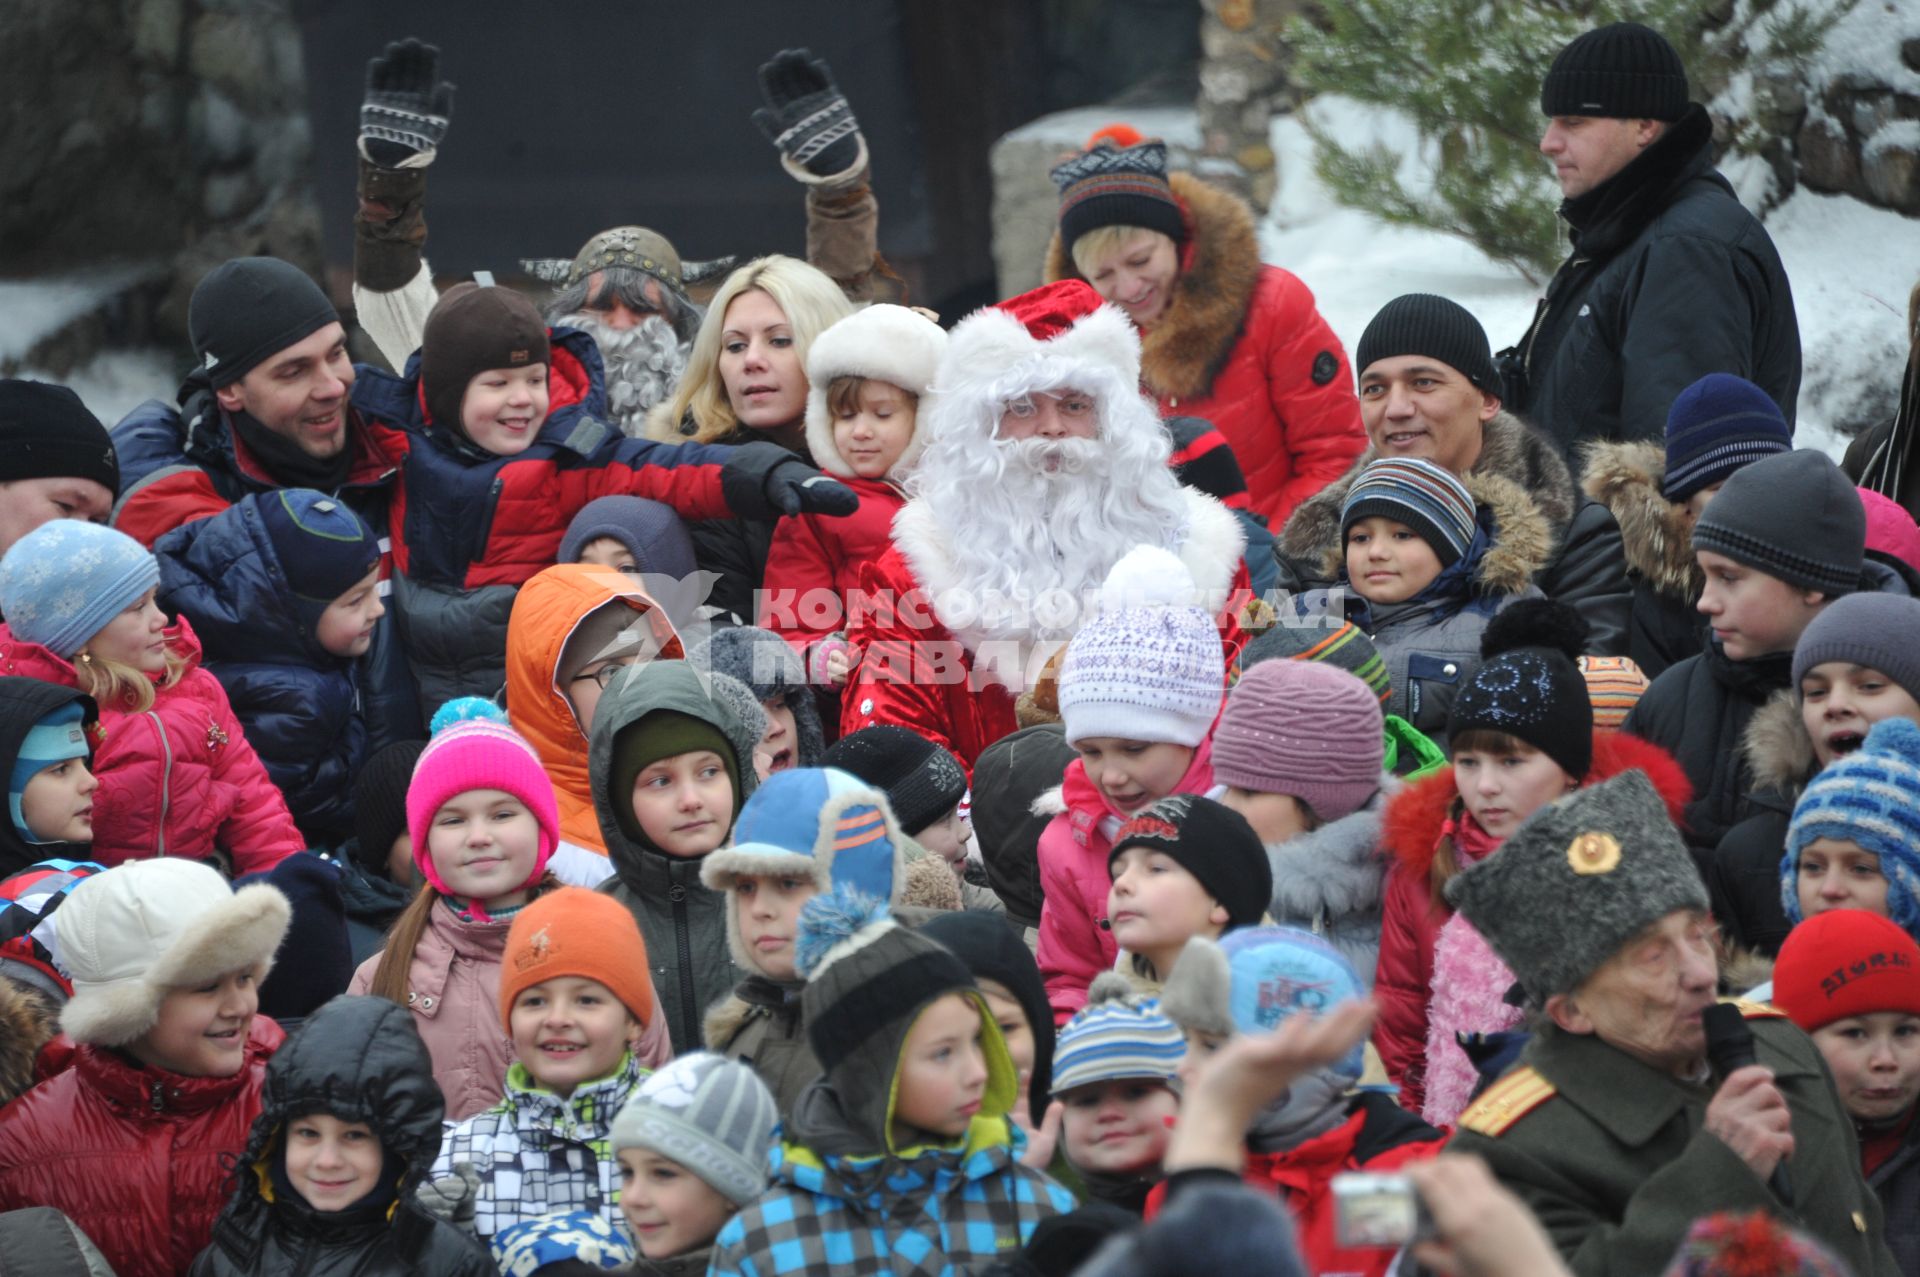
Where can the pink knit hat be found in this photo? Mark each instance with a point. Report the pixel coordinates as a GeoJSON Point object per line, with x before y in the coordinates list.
{"type": "Point", "coordinates": [1302, 728]}
{"type": "Point", "coordinates": [473, 748]}
{"type": "Point", "coordinates": [1890, 529]}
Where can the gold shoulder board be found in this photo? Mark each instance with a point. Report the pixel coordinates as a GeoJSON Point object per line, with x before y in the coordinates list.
{"type": "Point", "coordinates": [1757, 1010]}
{"type": "Point", "coordinates": [1507, 1101]}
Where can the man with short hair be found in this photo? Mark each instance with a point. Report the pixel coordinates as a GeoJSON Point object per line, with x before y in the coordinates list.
{"type": "Point", "coordinates": [1670, 278]}
{"type": "Point", "coordinates": [1044, 466]}
{"type": "Point", "coordinates": [56, 461]}
{"type": "Point", "coordinates": [1429, 389]}
{"type": "Point", "coordinates": [1617, 1128]}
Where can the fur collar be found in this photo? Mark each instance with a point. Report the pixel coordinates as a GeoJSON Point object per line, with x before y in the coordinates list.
{"type": "Point", "coordinates": [1212, 551]}
{"type": "Point", "coordinates": [1510, 450]}
{"type": "Point", "coordinates": [1337, 868]}
{"type": "Point", "coordinates": [1776, 747]}
{"type": "Point", "coordinates": [27, 1023]}
{"type": "Point", "coordinates": [1625, 478]}
{"type": "Point", "coordinates": [1219, 269]}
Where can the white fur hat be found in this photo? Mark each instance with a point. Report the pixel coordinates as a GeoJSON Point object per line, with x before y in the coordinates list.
{"type": "Point", "coordinates": [140, 929]}
{"type": "Point", "coordinates": [887, 343]}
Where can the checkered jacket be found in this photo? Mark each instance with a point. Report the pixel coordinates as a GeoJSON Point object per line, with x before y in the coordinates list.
{"type": "Point", "coordinates": [537, 1154]}
{"type": "Point", "coordinates": [935, 1211]}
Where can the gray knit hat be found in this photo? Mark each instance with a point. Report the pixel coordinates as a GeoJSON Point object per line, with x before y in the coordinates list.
{"type": "Point", "coordinates": [1874, 630]}
{"type": "Point", "coordinates": [1794, 516]}
{"type": "Point", "coordinates": [711, 1115]}
{"type": "Point", "coordinates": [1578, 880]}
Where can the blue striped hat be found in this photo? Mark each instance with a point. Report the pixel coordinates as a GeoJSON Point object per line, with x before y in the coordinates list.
{"type": "Point", "coordinates": [1418, 493]}
{"type": "Point", "coordinates": [1717, 425]}
{"type": "Point", "coordinates": [1871, 798]}
{"type": "Point", "coordinates": [1116, 1036]}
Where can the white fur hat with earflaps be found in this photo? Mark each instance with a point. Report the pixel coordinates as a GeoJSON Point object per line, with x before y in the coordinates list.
{"type": "Point", "coordinates": [131, 935]}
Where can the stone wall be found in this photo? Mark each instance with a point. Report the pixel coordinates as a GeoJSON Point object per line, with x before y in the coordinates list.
{"type": "Point", "coordinates": [170, 132]}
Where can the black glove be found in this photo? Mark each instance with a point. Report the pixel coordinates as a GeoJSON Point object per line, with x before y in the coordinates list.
{"type": "Point", "coordinates": [404, 114]}
{"type": "Point", "coordinates": [806, 115]}
{"type": "Point", "coordinates": [763, 481]}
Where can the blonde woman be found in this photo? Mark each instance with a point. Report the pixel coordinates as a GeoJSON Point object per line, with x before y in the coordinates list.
{"type": "Point", "coordinates": [177, 777]}
{"type": "Point", "coordinates": [746, 379]}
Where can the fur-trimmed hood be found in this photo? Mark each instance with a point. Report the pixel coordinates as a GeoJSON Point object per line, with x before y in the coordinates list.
{"type": "Point", "coordinates": [1416, 816]}
{"type": "Point", "coordinates": [1519, 473]}
{"type": "Point", "coordinates": [1219, 270]}
{"type": "Point", "coordinates": [1212, 550]}
{"type": "Point", "coordinates": [1625, 478]}
{"type": "Point", "coordinates": [1777, 750]}
{"type": "Point", "coordinates": [1336, 869]}
{"type": "Point", "coordinates": [27, 1023]}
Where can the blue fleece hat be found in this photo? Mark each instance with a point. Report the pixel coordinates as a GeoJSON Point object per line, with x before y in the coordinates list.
{"type": "Point", "coordinates": [1870, 797]}
{"type": "Point", "coordinates": [60, 734]}
{"type": "Point", "coordinates": [64, 581]}
{"type": "Point", "coordinates": [1252, 979]}
{"type": "Point", "coordinates": [324, 548]}
{"type": "Point", "coordinates": [819, 824]}
{"type": "Point", "coordinates": [652, 533]}
{"type": "Point", "coordinates": [1717, 425]}
{"type": "Point", "coordinates": [582, 1236]}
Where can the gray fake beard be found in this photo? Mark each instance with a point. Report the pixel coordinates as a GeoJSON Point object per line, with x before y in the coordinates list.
{"type": "Point", "coordinates": [643, 365]}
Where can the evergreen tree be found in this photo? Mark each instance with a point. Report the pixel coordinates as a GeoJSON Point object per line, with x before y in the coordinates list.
{"type": "Point", "coordinates": [1468, 73]}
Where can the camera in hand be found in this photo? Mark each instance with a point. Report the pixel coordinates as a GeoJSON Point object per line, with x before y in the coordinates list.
{"type": "Point", "coordinates": [1377, 1210]}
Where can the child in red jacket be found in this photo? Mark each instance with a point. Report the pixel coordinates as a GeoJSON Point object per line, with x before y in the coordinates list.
{"type": "Point", "coordinates": [133, 1138]}
{"type": "Point", "coordinates": [177, 775]}
{"type": "Point", "coordinates": [1250, 982]}
{"type": "Point", "coordinates": [865, 377]}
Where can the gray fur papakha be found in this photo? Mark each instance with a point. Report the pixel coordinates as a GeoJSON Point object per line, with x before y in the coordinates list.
{"type": "Point", "coordinates": [1577, 881]}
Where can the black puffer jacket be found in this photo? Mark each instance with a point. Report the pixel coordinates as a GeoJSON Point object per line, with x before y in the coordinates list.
{"type": "Point", "coordinates": [24, 702]}
{"type": "Point", "coordinates": [360, 1060]}
{"type": "Point", "coordinates": [1670, 279]}
{"type": "Point", "coordinates": [1744, 879]}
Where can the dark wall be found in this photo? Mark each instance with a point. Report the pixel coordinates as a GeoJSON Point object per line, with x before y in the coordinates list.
{"type": "Point", "coordinates": [574, 116]}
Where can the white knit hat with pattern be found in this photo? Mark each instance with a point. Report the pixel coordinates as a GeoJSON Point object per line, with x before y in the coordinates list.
{"type": "Point", "coordinates": [1149, 667]}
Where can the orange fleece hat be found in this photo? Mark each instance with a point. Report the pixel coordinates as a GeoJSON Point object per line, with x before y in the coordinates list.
{"type": "Point", "coordinates": [576, 932]}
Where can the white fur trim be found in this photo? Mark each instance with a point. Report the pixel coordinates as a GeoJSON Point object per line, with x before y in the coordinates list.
{"type": "Point", "coordinates": [397, 321]}
{"type": "Point", "coordinates": [989, 342]}
{"type": "Point", "coordinates": [579, 866]}
{"type": "Point", "coordinates": [1049, 802]}
{"type": "Point", "coordinates": [887, 343]}
{"type": "Point", "coordinates": [719, 869]}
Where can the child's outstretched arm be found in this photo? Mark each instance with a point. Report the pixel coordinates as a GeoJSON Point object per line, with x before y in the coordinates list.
{"type": "Point", "coordinates": [756, 480]}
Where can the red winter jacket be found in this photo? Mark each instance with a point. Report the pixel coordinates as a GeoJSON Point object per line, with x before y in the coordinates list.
{"type": "Point", "coordinates": [1410, 921]}
{"type": "Point", "coordinates": [1074, 947]}
{"type": "Point", "coordinates": [137, 1157]}
{"type": "Point", "coordinates": [178, 779]}
{"type": "Point", "coordinates": [814, 557]}
{"type": "Point", "coordinates": [1376, 1137]}
{"type": "Point", "coordinates": [1244, 346]}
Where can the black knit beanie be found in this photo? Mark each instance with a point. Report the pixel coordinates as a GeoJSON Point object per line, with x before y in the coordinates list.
{"type": "Point", "coordinates": [1212, 842]}
{"type": "Point", "coordinates": [47, 433]}
{"type": "Point", "coordinates": [922, 781]}
{"type": "Point", "coordinates": [1621, 71]}
{"type": "Point", "coordinates": [1422, 324]}
{"type": "Point", "coordinates": [250, 309]}
{"type": "Point", "coordinates": [470, 330]}
{"type": "Point", "coordinates": [380, 802]}
{"type": "Point", "coordinates": [1530, 687]}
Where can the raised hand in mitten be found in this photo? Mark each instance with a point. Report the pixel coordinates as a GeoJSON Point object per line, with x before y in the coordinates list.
{"type": "Point", "coordinates": [763, 480]}
{"type": "Point", "coordinates": [806, 115]}
{"type": "Point", "coordinates": [404, 114]}
{"type": "Point", "coordinates": [452, 1197]}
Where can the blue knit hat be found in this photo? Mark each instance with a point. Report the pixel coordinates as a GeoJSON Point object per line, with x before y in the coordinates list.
{"type": "Point", "coordinates": [1418, 493]}
{"type": "Point", "coordinates": [1716, 425]}
{"type": "Point", "coordinates": [64, 581]}
{"type": "Point", "coordinates": [582, 1236]}
{"type": "Point", "coordinates": [652, 533]}
{"type": "Point", "coordinates": [59, 735]}
{"type": "Point", "coordinates": [1116, 1036]}
{"type": "Point", "coordinates": [1870, 797]}
{"type": "Point", "coordinates": [324, 548]}
{"type": "Point", "coordinates": [1251, 980]}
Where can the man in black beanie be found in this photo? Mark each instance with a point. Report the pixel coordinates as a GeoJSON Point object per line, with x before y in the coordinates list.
{"type": "Point", "coordinates": [1670, 277]}
{"type": "Point", "coordinates": [1429, 389]}
{"type": "Point", "coordinates": [56, 461]}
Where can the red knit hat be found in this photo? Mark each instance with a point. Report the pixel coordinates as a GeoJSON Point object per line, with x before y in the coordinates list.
{"type": "Point", "coordinates": [576, 932]}
{"type": "Point", "coordinates": [1846, 962]}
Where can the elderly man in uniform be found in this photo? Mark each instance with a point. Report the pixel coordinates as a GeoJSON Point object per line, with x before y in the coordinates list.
{"type": "Point", "coordinates": [1614, 1128]}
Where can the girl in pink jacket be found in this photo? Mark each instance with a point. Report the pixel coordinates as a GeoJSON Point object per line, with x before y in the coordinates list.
{"type": "Point", "coordinates": [177, 777]}
{"type": "Point", "coordinates": [1140, 689]}
{"type": "Point", "coordinates": [484, 823]}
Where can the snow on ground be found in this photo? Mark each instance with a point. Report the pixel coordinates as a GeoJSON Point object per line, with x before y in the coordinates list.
{"type": "Point", "coordinates": [1850, 266]}
{"type": "Point", "coordinates": [114, 382]}
{"type": "Point", "coordinates": [32, 309]}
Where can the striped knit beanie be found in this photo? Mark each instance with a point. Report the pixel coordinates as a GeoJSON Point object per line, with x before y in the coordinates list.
{"type": "Point", "coordinates": [1309, 730]}
{"type": "Point", "coordinates": [1821, 546]}
{"type": "Point", "coordinates": [1871, 798]}
{"type": "Point", "coordinates": [1116, 1036]}
{"type": "Point", "coordinates": [1716, 426]}
{"type": "Point", "coordinates": [1615, 685]}
{"type": "Point", "coordinates": [1344, 647]}
{"type": "Point", "coordinates": [473, 748]}
{"type": "Point", "coordinates": [1109, 185]}
{"type": "Point", "coordinates": [1420, 494]}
